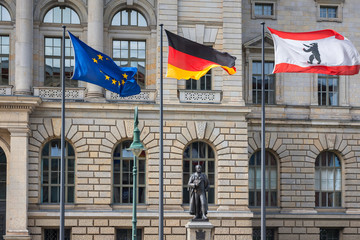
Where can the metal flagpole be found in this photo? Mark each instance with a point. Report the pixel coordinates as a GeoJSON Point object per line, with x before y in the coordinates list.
{"type": "Point", "coordinates": [62, 168]}
{"type": "Point", "coordinates": [161, 180]}
{"type": "Point", "coordinates": [263, 212]}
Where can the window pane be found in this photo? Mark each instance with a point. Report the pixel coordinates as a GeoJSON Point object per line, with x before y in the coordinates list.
{"type": "Point", "coordinates": [142, 21]}
{"type": "Point", "coordinates": [116, 20]}
{"type": "Point", "coordinates": [124, 18]}
{"type": "Point", "coordinates": [133, 21]}
{"type": "Point", "coordinates": [5, 15]}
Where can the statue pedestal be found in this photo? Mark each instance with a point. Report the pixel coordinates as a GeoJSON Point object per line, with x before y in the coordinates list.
{"type": "Point", "coordinates": [199, 230]}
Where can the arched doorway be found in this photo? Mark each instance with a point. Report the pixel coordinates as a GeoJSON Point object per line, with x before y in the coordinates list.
{"type": "Point", "coordinates": [2, 193]}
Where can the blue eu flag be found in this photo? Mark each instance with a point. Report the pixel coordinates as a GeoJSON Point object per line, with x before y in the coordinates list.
{"type": "Point", "coordinates": [97, 68]}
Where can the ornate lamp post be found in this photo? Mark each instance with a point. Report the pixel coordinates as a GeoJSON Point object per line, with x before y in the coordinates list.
{"type": "Point", "coordinates": [136, 147]}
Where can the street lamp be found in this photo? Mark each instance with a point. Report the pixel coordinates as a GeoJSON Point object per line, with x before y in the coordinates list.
{"type": "Point", "coordinates": [136, 147]}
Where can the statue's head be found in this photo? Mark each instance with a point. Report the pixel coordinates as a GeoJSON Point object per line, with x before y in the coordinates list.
{"type": "Point", "coordinates": [198, 168]}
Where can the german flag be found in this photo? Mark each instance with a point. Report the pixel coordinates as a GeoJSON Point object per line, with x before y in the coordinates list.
{"type": "Point", "coordinates": [188, 59]}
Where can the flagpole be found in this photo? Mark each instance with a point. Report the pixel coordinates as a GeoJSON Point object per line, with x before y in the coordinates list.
{"type": "Point", "coordinates": [62, 168]}
{"type": "Point", "coordinates": [263, 211]}
{"type": "Point", "coordinates": [161, 180]}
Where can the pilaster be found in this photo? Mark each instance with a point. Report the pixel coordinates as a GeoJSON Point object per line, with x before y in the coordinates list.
{"type": "Point", "coordinates": [95, 38]}
{"type": "Point", "coordinates": [232, 43]}
{"type": "Point", "coordinates": [24, 47]}
{"type": "Point", "coordinates": [17, 183]}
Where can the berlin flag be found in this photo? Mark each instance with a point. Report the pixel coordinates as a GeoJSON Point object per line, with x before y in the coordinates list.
{"type": "Point", "coordinates": [324, 51]}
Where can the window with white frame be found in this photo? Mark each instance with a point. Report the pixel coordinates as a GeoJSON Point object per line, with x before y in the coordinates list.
{"type": "Point", "coordinates": [327, 180]}
{"type": "Point", "coordinates": [130, 52]}
{"type": "Point", "coordinates": [263, 9]}
{"type": "Point", "coordinates": [123, 162]}
{"type": "Point", "coordinates": [53, 62]}
{"type": "Point", "coordinates": [129, 17]}
{"type": "Point", "coordinates": [269, 82]}
{"type": "Point", "coordinates": [4, 14]}
{"type": "Point", "coordinates": [204, 83]}
{"type": "Point", "coordinates": [4, 48]}
{"type": "Point", "coordinates": [328, 90]}
{"type": "Point", "coordinates": [329, 10]}
{"type": "Point", "coordinates": [53, 44]}
{"type": "Point", "coordinates": [271, 179]}
{"type": "Point", "coordinates": [4, 59]}
{"type": "Point", "coordinates": [62, 14]}
{"type": "Point", "coordinates": [50, 172]}
{"type": "Point", "coordinates": [199, 153]}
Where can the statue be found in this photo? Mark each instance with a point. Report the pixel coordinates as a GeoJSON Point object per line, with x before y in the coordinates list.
{"type": "Point", "coordinates": [198, 186]}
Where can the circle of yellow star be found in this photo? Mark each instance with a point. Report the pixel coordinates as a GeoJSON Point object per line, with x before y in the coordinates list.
{"type": "Point", "coordinates": [95, 61]}
{"type": "Point", "coordinates": [125, 76]}
{"type": "Point", "coordinates": [100, 57]}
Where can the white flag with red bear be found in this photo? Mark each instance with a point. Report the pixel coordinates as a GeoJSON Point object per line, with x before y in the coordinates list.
{"type": "Point", "coordinates": [324, 51]}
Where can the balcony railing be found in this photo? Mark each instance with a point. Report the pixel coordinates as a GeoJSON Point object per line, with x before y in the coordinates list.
{"type": "Point", "coordinates": [55, 93]}
{"type": "Point", "coordinates": [6, 90]}
{"type": "Point", "coordinates": [146, 95]}
{"type": "Point", "coordinates": [200, 96]}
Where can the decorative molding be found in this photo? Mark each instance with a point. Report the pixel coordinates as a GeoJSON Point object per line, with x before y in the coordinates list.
{"type": "Point", "coordinates": [6, 90]}
{"type": "Point", "coordinates": [200, 96]}
{"type": "Point", "coordinates": [144, 96]}
{"type": "Point", "coordinates": [55, 93]}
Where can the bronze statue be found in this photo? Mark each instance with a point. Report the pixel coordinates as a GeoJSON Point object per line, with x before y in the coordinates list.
{"type": "Point", "coordinates": [198, 186]}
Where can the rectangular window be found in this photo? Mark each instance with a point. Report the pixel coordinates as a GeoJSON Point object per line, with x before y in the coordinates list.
{"type": "Point", "coordinates": [329, 234]}
{"type": "Point", "coordinates": [131, 54]}
{"type": "Point", "coordinates": [126, 234]}
{"type": "Point", "coordinates": [4, 60]}
{"type": "Point", "coordinates": [264, 9]}
{"type": "Point", "coordinates": [270, 234]}
{"type": "Point", "coordinates": [53, 234]}
{"type": "Point", "coordinates": [328, 90]}
{"type": "Point", "coordinates": [269, 82]}
{"type": "Point", "coordinates": [53, 62]}
{"type": "Point", "coordinates": [204, 83]}
{"type": "Point", "coordinates": [328, 12]}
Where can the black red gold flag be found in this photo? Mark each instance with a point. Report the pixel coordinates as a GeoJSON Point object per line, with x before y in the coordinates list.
{"type": "Point", "coordinates": [188, 59]}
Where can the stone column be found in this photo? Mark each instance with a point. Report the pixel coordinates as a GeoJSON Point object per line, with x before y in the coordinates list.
{"type": "Point", "coordinates": [17, 183]}
{"type": "Point", "coordinates": [24, 47]}
{"type": "Point", "coordinates": [95, 38]}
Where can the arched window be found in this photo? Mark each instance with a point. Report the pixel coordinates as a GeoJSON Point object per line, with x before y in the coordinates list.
{"type": "Point", "coordinates": [123, 162]}
{"type": "Point", "coordinates": [129, 17]}
{"type": "Point", "coordinates": [327, 180]}
{"type": "Point", "coordinates": [130, 53]}
{"type": "Point", "coordinates": [4, 14]}
{"type": "Point", "coordinates": [62, 14]}
{"type": "Point", "coordinates": [194, 154]}
{"type": "Point", "coordinates": [50, 172]}
{"type": "Point", "coordinates": [271, 187]}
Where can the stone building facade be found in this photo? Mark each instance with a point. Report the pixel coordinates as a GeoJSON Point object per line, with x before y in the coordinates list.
{"type": "Point", "coordinates": [214, 121]}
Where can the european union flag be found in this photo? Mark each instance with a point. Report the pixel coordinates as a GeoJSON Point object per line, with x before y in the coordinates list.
{"type": "Point", "coordinates": [97, 68]}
